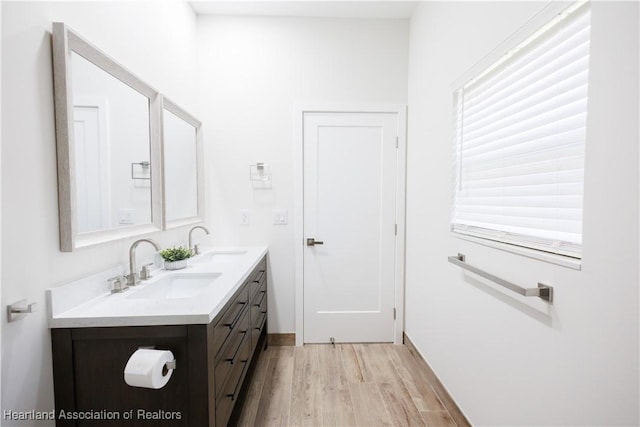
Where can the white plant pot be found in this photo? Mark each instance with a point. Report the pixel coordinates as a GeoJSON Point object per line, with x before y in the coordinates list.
{"type": "Point", "coordinates": [175, 265]}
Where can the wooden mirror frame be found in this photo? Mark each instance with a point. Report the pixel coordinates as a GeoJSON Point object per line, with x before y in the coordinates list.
{"type": "Point", "coordinates": [64, 42]}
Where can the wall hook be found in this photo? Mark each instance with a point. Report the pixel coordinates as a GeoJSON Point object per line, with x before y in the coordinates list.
{"type": "Point", "coordinates": [19, 309]}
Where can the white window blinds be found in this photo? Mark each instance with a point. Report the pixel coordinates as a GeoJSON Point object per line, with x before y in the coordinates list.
{"type": "Point", "coordinates": [520, 129]}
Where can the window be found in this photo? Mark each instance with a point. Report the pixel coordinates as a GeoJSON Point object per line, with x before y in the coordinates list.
{"type": "Point", "coordinates": [519, 137]}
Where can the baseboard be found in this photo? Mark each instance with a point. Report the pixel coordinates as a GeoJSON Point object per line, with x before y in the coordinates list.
{"type": "Point", "coordinates": [282, 339]}
{"type": "Point", "coordinates": [438, 388]}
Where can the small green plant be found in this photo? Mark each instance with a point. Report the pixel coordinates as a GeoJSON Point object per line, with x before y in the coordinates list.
{"type": "Point", "coordinates": [177, 253]}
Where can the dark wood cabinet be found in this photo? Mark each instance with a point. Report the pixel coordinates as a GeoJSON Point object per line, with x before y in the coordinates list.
{"type": "Point", "coordinates": [207, 388]}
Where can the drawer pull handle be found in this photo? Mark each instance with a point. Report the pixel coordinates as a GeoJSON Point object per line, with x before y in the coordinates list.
{"type": "Point", "coordinates": [262, 323]}
{"type": "Point", "coordinates": [259, 303]}
{"type": "Point", "coordinates": [237, 316]}
{"type": "Point", "coordinates": [259, 278]}
{"type": "Point", "coordinates": [234, 395]}
{"type": "Point", "coordinates": [235, 354]}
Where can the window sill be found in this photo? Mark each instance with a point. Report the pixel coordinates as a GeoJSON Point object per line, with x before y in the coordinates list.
{"type": "Point", "coordinates": [561, 260]}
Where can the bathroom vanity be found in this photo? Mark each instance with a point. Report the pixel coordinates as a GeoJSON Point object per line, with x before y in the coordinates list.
{"type": "Point", "coordinates": [212, 316]}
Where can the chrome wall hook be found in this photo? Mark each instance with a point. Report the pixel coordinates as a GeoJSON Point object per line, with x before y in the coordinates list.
{"type": "Point", "coordinates": [19, 309]}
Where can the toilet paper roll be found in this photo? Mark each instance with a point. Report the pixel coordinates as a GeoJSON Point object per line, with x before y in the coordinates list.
{"type": "Point", "coordinates": [146, 368]}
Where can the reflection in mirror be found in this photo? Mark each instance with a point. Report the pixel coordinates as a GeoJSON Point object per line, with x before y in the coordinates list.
{"type": "Point", "coordinates": [182, 172]}
{"type": "Point", "coordinates": [108, 143]}
{"type": "Point", "coordinates": [180, 167]}
{"type": "Point", "coordinates": [111, 132]}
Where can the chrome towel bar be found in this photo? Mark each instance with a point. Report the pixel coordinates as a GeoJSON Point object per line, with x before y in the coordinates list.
{"type": "Point", "coordinates": [542, 291]}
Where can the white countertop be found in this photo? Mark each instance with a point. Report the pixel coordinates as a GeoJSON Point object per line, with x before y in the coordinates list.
{"type": "Point", "coordinates": [88, 303]}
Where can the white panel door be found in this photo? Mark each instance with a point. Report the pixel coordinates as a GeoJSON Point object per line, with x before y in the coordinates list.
{"type": "Point", "coordinates": [350, 162]}
{"type": "Point", "coordinates": [92, 169]}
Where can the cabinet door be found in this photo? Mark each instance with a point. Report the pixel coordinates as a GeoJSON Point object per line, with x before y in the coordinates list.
{"type": "Point", "coordinates": [99, 382]}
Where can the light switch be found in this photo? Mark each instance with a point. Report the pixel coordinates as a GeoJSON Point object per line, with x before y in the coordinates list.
{"type": "Point", "coordinates": [280, 216]}
{"type": "Point", "coordinates": [244, 217]}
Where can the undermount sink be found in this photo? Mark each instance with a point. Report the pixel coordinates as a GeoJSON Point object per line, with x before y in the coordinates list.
{"type": "Point", "coordinates": [218, 257]}
{"type": "Point", "coordinates": [176, 286]}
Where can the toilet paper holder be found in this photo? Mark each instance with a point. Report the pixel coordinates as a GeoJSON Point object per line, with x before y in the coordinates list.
{"type": "Point", "coordinates": [169, 365]}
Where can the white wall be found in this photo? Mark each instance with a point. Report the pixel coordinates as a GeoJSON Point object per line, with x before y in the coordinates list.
{"type": "Point", "coordinates": [155, 40]}
{"type": "Point", "coordinates": [507, 360]}
{"type": "Point", "coordinates": [253, 71]}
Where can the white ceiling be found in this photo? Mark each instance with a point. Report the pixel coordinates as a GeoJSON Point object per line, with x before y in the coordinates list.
{"type": "Point", "coordinates": [391, 9]}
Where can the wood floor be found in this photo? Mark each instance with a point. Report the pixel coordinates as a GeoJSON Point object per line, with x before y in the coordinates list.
{"type": "Point", "coordinates": [345, 385]}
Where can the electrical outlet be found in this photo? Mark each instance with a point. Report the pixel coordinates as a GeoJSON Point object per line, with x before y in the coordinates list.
{"type": "Point", "coordinates": [244, 217]}
{"type": "Point", "coordinates": [280, 216]}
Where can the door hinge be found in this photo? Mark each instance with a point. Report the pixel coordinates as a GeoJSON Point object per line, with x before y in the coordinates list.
{"type": "Point", "coordinates": [396, 229]}
{"type": "Point", "coordinates": [394, 313]}
{"type": "Point", "coordinates": [397, 141]}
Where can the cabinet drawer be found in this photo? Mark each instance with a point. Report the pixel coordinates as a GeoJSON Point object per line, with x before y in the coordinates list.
{"type": "Point", "coordinates": [229, 321]}
{"type": "Point", "coordinates": [226, 399]}
{"type": "Point", "coordinates": [257, 282]}
{"type": "Point", "coordinates": [258, 306]}
{"type": "Point", "coordinates": [232, 352]}
{"type": "Point", "coordinates": [257, 328]}
{"type": "Point", "coordinates": [258, 270]}
{"type": "Point", "coordinates": [259, 294]}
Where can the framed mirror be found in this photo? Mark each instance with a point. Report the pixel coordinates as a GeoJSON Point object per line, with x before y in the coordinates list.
{"type": "Point", "coordinates": [108, 145]}
{"type": "Point", "coordinates": [183, 174]}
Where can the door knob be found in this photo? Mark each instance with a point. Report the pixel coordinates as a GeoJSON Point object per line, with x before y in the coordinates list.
{"type": "Point", "coordinates": [312, 242]}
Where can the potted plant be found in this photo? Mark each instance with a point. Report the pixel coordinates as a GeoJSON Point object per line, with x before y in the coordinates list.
{"type": "Point", "coordinates": [176, 258]}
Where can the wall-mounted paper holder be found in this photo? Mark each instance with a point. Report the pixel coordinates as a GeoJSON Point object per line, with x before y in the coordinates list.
{"type": "Point", "coordinates": [260, 175]}
{"type": "Point", "coordinates": [167, 366]}
{"type": "Point", "coordinates": [19, 309]}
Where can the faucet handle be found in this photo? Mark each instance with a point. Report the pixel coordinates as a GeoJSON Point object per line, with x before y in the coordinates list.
{"type": "Point", "coordinates": [196, 249]}
{"type": "Point", "coordinates": [118, 284]}
{"type": "Point", "coordinates": [145, 273]}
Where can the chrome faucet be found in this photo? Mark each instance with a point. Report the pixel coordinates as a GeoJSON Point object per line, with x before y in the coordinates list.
{"type": "Point", "coordinates": [133, 277]}
{"type": "Point", "coordinates": [196, 248]}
